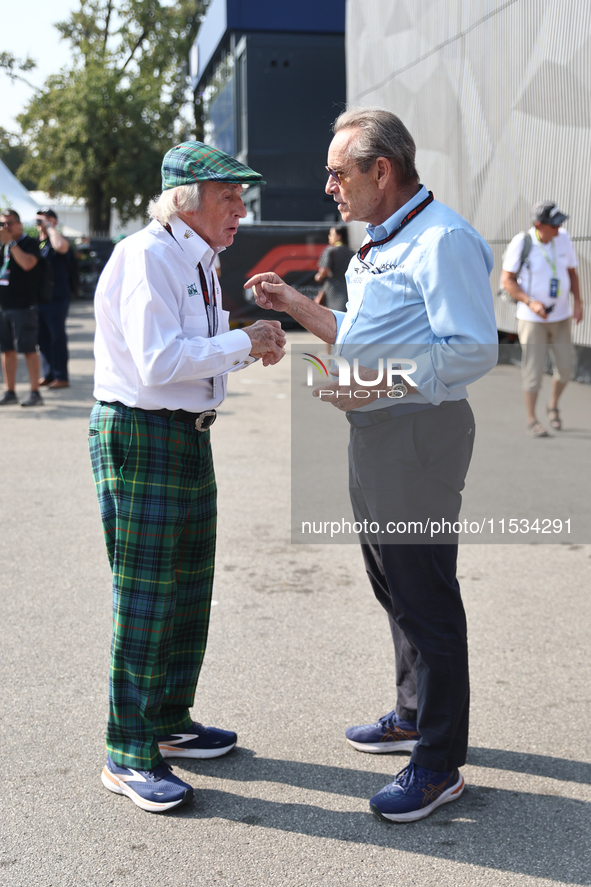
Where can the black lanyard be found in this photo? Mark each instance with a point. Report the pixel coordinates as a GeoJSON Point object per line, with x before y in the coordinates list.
{"type": "Point", "coordinates": [210, 310]}
{"type": "Point", "coordinates": [363, 251]}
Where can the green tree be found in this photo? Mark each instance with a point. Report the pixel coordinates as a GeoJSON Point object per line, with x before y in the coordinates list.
{"type": "Point", "coordinates": [13, 154]}
{"type": "Point", "coordinates": [99, 129]}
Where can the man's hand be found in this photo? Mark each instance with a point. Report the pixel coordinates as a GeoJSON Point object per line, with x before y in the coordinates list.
{"type": "Point", "coordinates": [5, 235]}
{"type": "Point", "coordinates": [537, 308]}
{"type": "Point", "coordinates": [268, 341]}
{"type": "Point", "coordinates": [346, 398]}
{"type": "Point", "coordinates": [578, 311]}
{"type": "Point", "coordinates": [270, 291]}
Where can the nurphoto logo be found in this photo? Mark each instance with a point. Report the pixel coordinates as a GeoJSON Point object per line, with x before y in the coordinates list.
{"type": "Point", "coordinates": [390, 366]}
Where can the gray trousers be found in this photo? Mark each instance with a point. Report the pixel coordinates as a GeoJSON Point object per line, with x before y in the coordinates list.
{"type": "Point", "coordinates": [412, 468]}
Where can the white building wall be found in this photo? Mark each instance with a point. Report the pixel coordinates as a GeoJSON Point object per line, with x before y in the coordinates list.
{"type": "Point", "coordinates": [497, 94]}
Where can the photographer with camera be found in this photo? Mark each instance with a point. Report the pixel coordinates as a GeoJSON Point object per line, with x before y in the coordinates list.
{"type": "Point", "coordinates": [541, 285]}
{"type": "Point", "coordinates": [19, 316]}
{"type": "Point", "coordinates": [53, 341]}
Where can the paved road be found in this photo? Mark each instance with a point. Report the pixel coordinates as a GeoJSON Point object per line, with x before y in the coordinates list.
{"type": "Point", "coordinates": [298, 651]}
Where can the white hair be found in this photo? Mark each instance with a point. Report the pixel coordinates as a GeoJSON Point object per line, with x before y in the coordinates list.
{"type": "Point", "coordinates": [183, 198]}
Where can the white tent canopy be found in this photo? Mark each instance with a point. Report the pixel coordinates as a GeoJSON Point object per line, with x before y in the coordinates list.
{"type": "Point", "coordinates": [15, 195]}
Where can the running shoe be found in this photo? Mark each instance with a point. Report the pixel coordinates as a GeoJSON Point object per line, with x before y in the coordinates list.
{"type": "Point", "coordinates": [198, 742]}
{"type": "Point", "coordinates": [33, 400]}
{"type": "Point", "coordinates": [389, 734]}
{"type": "Point", "coordinates": [156, 790]}
{"type": "Point", "coordinates": [416, 792]}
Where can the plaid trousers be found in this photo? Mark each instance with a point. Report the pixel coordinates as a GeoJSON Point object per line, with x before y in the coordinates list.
{"type": "Point", "coordinates": [157, 496]}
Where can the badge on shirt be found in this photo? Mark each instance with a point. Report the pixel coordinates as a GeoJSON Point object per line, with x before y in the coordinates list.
{"type": "Point", "coordinates": [192, 289]}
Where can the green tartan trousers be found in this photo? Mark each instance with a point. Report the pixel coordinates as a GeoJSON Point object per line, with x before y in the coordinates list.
{"type": "Point", "coordinates": [157, 495]}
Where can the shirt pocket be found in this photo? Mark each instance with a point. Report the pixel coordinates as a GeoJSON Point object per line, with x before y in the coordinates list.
{"type": "Point", "coordinates": [384, 295]}
{"type": "Point", "coordinates": [195, 325]}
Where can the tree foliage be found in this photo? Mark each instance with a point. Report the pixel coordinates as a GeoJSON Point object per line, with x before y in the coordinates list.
{"type": "Point", "coordinates": [12, 66]}
{"type": "Point", "coordinates": [13, 154]}
{"type": "Point", "coordinates": [99, 129]}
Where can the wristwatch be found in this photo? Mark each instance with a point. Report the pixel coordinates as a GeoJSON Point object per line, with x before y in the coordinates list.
{"type": "Point", "coordinates": [398, 388]}
{"type": "Point", "coordinates": [11, 243]}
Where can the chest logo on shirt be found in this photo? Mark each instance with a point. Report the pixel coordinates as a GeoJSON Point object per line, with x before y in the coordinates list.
{"type": "Point", "coordinates": [192, 289]}
{"type": "Point", "coordinates": [187, 234]}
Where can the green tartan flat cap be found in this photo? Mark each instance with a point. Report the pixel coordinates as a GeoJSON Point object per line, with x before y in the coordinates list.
{"type": "Point", "coordinates": [192, 162]}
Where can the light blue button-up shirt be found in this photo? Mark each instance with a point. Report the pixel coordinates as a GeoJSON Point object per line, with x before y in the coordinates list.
{"type": "Point", "coordinates": [426, 296]}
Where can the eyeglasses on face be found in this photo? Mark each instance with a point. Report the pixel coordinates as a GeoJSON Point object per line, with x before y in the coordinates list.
{"type": "Point", "coordinates": [335, 174]}
{"type": "Point", "coordinates": [6, 224]}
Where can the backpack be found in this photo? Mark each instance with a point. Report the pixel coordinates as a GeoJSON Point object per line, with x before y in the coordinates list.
{"type": "Point", "coordinates": [45, 281]}
{"type": "Point", "coordinates": [525, 251]}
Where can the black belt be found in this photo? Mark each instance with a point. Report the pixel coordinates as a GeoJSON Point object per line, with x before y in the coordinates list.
{"type": "Point", "coordinates": [376, 417]}
{"type": "Point", "coordinates": [199, 421]}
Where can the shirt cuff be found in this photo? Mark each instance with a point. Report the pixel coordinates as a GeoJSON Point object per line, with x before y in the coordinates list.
{"type": "Point", "coordinates": [339, 317]}
{"type": "Point", "coordinates": [236, 346]}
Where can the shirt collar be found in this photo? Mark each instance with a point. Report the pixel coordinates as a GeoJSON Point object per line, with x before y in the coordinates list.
{"type": "Point", "coordinates": [194, 246]}
{"type": "Point", "coordinates": [378, 232]}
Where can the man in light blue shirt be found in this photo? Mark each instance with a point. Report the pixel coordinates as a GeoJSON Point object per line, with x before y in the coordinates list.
{"type": "Point", "coordinates": [418, 292]}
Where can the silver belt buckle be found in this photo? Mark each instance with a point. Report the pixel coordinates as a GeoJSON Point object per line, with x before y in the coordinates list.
{"type": "Point", "coordinates": [205, 420]}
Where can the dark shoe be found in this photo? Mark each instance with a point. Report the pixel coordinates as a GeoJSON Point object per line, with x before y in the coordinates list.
{"type": "Point", "coordinates": [7, 398]}
{"type": "Point", "coordinates": [197, 742]}
{"type": "Point", "coordinates": [415, 793]}
{"type": "Point", "coordinates": [59, 383]}
{"type": "Point", "coordinates": [156, 790]}
{"type": "Point", "coordinates": [33, 400]}
{"type": "Point", "coordinates": [45, 381]}
{"type": "Point", "coordinates": [388, 734]}
{"type": "Point", "coordinates": [554, 418]}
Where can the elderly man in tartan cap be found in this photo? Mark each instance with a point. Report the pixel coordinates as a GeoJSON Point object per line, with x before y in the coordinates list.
{"type": "Point", "coordinates": [163, 349]}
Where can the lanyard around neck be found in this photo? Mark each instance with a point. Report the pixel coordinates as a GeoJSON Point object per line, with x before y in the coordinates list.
{"type": "Point", "coordinates": [209, 302]}
{"type": "Point", "coordinates": [551, 262]}
{"type": "Point", "coordinates": [363, 251]}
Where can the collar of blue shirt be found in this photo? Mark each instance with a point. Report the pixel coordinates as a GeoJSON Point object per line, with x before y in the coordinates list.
{"type": "Point", "coordinates": [378, 232]}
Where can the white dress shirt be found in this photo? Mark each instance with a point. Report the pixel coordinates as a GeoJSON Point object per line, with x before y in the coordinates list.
{"type": "Point", "coordinates": [152, 344]}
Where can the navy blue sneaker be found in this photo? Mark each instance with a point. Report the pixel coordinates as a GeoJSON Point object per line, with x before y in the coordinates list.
{"type": "Point", "coordinates": [416, 792]}
{"type": "Point", "coordinates": [154, 790]}
{"type": "Point", "coordinates": [198, 742]}
{"type": "Point", "coordinates": [388, 734]}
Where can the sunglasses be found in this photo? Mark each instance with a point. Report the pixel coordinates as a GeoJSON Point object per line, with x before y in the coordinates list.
{"type": "Point", "coordinates": [6, 224]}
{"type": "Point", "coordinates": [335, 174]}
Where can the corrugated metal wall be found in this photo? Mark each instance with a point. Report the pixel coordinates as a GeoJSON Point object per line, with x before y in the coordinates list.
{"type": "Point", "coordinates": [498, 98]}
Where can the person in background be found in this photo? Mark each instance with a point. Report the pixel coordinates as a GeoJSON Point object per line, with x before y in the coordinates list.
{"type": "Point", "coordinates": [53, 340]}
{"type": "Point", "coordinates": [332, 266]}
{"type": "Point", "coordinates": [541, 286]}
{"type": "Point", "coordinates": [19, 315]}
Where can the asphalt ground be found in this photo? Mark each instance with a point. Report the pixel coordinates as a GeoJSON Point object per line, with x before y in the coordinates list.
{"type": "Point", "coordinates": [298, 651]}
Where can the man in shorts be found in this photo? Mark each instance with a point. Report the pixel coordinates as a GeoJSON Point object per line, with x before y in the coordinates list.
{"type": "Point", "coordinates": [541, 286]}
{"type": "Point", "coordinates": [19, 317]}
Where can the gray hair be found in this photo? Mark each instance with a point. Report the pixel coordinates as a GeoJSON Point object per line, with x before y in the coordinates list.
{"type": "Point", "coordinates": [382, 134]}
{"type": "Point", "coordinates": [183, 198]}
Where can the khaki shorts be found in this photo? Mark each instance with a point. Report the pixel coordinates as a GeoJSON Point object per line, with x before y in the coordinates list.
{"type": "Point", "coordinates": [535, 340]}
